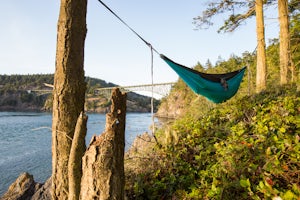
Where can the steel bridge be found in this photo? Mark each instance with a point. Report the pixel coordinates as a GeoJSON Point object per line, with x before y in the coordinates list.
{"type": "Point", "coordinates": [162, 89]}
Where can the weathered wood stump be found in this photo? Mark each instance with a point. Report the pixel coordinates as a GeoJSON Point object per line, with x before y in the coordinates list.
{"type": "Point", "coordinates": [103, 162]}
{"type": "Point", "coordinates": [75, 160]}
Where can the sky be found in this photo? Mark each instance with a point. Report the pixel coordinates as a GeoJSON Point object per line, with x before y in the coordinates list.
{"type": "Point", "coordinates": [112, 52]}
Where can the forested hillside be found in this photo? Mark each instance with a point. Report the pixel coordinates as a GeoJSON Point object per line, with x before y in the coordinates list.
{"type": "Point", "coordinates": [32, 93]}
{"type": "Point", "coordinates": [16, 92]}
{"type": "Point", "coordinates": [245, 148]}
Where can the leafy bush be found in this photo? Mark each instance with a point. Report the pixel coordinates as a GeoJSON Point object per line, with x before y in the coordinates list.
{"type": "Point", "coordinates": [246, 149]}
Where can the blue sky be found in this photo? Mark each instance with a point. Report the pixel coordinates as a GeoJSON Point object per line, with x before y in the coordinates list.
{"type": "Point", "coordinates": [112, 52]}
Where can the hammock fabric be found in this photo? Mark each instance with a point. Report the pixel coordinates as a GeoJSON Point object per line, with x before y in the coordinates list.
{"type": "Point", "coordinates": [215, 87]}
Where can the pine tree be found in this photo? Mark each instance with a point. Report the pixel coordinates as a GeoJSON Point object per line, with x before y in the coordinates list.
{"type": "Point", "coordinates": [261, 67]}
{"type": "Point", "coordinates": [69, 89]}
{"type": "Point", "coordinates": [234, 20]}
{"type": "Point", "coordinates": [284, 41]}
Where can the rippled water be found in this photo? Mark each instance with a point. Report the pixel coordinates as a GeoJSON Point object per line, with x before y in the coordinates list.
{"type": "Point", "coordinates": [25, 142]}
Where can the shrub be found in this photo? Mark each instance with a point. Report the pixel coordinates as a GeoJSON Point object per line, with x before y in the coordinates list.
{"type": "Point", "coordinates": [246, 149]}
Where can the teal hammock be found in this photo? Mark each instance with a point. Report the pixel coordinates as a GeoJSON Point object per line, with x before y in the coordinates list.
{"type": "Point", "coordinates": [215, 87]}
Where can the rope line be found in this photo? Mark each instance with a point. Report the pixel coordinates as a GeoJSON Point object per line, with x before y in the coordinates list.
{"type": "Point", "coordinates": [152, 106]}
{"type": "Point", "coordinates": [152, 98]}
{"type": "Point", "coordinates": [152, 49]}
{"type": "Point", "coordinates": [138, 35]}
{"type": "Point", "coordinates": [49, 128]}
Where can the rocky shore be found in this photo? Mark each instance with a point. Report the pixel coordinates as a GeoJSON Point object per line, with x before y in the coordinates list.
{"type": "Point", "coordinates": [25, 187]}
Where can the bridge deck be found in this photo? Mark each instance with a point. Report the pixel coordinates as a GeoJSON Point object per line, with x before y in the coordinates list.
{"type": "Point", "coordinates": [159, 88]}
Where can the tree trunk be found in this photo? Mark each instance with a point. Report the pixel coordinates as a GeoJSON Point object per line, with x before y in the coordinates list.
{"type": "Point", "coordinates": [284, 41]}
{"type": "Point", "coordinates": [103, 162]}
{"type": "Point", "coordinates": [261, 68]}
{"type": "Point", "coordinates": [75, 161]}
{"type": "Point", "coordinates": [69, 89]}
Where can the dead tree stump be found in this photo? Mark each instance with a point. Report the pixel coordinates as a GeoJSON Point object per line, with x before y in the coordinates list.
{"type": "Point", "coordinates": [103, 162]}
{"type": "Point", "coordinates": [75, 160]}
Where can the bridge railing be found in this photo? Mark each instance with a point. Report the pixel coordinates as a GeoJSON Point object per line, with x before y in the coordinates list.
{"type": "Point", "coordinates": [161, 89]}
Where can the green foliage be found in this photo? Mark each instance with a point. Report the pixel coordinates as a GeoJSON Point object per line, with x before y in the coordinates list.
{"type": "Point", "coordinates": [236, 13]}
{"type": "Point", "coordinates": [25, 82]}
{"type": "Point", "coordinates": [244, 149]}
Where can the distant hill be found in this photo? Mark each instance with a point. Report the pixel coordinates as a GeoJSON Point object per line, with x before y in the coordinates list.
{"type": "Point", "coordinates": [29, 93]}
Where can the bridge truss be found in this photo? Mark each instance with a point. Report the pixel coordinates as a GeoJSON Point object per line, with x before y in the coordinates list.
{"type": "Point", "coordinates": [162, 89]}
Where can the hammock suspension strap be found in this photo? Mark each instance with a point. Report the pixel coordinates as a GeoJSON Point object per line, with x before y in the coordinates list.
{"type": "Point", "coordinates": [138, 35]}
{"type": "Point", "coordinates": [152, 49]}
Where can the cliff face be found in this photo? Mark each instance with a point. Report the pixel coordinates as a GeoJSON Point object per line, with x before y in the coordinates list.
{"type": "Point", "coordinates": [171, 107]}
{"type": "Point", "coordinates": [25, 101]}
{"type": "Point", "coordinates": [21, 101]}
{"type": "Point", "coordinates": [175, 104]}
{"type": "Point", "coordinates": [135, 103]}
{"type": "Point", "coordinates": [181, 101]}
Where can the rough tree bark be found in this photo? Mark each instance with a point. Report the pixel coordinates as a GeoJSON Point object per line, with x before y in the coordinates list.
{"type": "Point", "coordinates": [103, 162]}
{"type": "Point", "coordinates": [69, 89]}
{"type": "Point", "coordinates": [261, 68]}
{"type": "Point", "coordinates": [284, 41]}
{"type": "Point", "coordinates": [75, 161]}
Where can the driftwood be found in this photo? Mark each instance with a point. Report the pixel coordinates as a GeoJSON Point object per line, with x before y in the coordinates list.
{"type": "Point", "coordinates": [103, 162]}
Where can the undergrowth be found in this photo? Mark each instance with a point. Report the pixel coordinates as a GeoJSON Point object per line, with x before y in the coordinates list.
{"type": "Point", "coordinates": [244, 149]}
